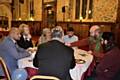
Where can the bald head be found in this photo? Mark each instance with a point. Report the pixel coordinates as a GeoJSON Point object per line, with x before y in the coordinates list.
{"type": "Point", "coordinates": [94, 28]}
{"type": "Point", "coordinates": [15, 33]}
{"type": "Point", "coordinates": [95, 31]}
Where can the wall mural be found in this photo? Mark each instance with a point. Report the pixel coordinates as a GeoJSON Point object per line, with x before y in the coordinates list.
{"type": "Point", "coordinates": [105, 10]}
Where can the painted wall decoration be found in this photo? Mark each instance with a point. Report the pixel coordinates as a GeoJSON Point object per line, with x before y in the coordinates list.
{"type": "Point", "coordinates": [105, 10]}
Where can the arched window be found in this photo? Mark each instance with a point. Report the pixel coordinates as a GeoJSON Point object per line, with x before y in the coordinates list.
{"type": "Point", "coordinates": [83, 9]}
{"type": "Point", "coordinates": [3, 22]}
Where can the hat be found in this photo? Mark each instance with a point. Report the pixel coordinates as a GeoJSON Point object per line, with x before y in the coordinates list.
{"type": "Point", "coordinates": [94, 28]}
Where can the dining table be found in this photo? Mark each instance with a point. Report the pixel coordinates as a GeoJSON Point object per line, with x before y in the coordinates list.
{"type": "Point", "coordinates": [83, 60]}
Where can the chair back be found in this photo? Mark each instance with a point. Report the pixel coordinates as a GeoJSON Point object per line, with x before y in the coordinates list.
{"type": "Point", "coordinates": [39, 77]}
{"type": "Point", "coordinates": [5, 69]}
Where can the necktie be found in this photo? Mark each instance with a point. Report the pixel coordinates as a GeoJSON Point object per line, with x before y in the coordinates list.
{"type": "Point", "coordinates": [16, 45]}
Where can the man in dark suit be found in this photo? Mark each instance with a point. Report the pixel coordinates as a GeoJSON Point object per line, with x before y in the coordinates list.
{"type": "Point", "coordinates": [24, 42]}
{"type": "Point", "coordinates": [10, 51]}
{"type": "Point", "coordinates": [109, 67]}
{"type": "Point", "coordinates": [53, 58]}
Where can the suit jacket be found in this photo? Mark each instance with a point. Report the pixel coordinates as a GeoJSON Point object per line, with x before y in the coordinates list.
{"type": "Point", "coordinates": [11, 52]}
{"type": "Point", "coordinates": [109, 67]}
{"type": "Point", "coordinates": [55, 59]}
{"type": "Point", "coordinates": [24, 43]}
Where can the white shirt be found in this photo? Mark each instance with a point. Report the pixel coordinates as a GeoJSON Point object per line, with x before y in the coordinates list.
{"type": "Point", "coordinates": [13, 40]}
{"type": "Point", "coordinates": [58, 39]}
{"type": "Point", "coordinates": [68, 39]}
{"type": "Point", "coordinates": [26, 38]}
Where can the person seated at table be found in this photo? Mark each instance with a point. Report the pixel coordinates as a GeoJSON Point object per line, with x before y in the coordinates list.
{"type": "Point", "coordinates": [10, 51]}
{"type": "Point", "coordinates": [25, 39]}
{"type": "Point", "coordinates": [60, 29]}
{"type": "Point", "coordinates": [53, 58]}
{"type": "Point", "coordinates": [70, 37]}
{"type": "Point", "coordinates": [45, 37]}
{"type": "Point", "coordinates": [94, 41]}
{"type": "Point", "coordinates": [109, 67]}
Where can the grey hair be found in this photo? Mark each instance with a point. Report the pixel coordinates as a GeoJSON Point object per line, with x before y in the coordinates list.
{"type": "Point", "coordinates": [45, 30]}
{"type": "Point", "coordinates": [56, 34]}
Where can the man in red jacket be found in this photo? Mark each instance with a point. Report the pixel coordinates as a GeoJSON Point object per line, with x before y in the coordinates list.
{"type": "Point", "coordinates": [94, 42]}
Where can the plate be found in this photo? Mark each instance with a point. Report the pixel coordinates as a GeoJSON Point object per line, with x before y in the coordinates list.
{"type": "Point", "coordinates": [83, 55]}
{"type": "Point", "coordinates": [80, 61]}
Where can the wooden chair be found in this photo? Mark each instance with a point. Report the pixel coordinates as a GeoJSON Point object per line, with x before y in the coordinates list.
{"type": "Point", "coordinates": [41, 77]}
{"type": "Point", "coordinates": [5, 70]}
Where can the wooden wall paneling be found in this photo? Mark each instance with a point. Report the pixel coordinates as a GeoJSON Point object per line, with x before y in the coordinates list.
{"type": "Point", "coordinates": [117, 29]}
{"type": "Point", "coordinates": [77, 29]}
{"type": "Point", "coordinates": [105, 28]}
{"type": "Point", "coordinates": [117, 34]}
{"type": "Point", "coordinates": [82, 28]}
{"type": "Point", "coordinates": [84, 31]}
{"type": "Point", "coordinates": [35, 26]}
{"type": "Point", "coordinates": [63, 25]}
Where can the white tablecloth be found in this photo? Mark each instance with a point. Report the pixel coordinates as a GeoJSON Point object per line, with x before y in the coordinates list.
{"type": "Point", "coordinates": [26, 62]}
{"type": "Point", "coordinates": [76, 73]}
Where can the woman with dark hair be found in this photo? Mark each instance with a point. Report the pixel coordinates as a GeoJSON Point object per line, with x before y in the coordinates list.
{"type": "Point", "coordinates": [109, 67]}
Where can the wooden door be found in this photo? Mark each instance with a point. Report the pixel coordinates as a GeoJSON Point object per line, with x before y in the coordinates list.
{"type": "Point", "coordinates": [49, 14]}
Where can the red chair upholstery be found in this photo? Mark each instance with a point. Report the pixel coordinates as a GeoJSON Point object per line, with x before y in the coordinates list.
{"type": "Point", "coordinates": [31, 72]}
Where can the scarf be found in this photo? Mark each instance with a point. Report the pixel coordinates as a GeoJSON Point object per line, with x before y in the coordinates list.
{"type": "Point", "coordinates": [97, 42]}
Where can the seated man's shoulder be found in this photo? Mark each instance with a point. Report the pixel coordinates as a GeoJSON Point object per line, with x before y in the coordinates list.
{"type": "Point", "coordinates": [66, 36]}
{"type": "Point", "coordinates": [69, 48]}
{"type": "Point", "coordinates": [75, 36]}
{"type": "Point", "coordinates": [45, 44]}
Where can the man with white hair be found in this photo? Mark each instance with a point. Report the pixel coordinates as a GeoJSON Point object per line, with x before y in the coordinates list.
{"type": "Point", "coordinates": [95, 38]}
{"type": "Point", "coordinates": [53, 58]}
{"type": "Point", "coordinates": [93, 41]}
{"type": "Point", "coordinates": [94, 30]}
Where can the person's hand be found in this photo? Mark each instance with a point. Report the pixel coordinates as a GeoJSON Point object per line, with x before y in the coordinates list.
{"type": "Point", "coordinates": [67, 44]}
{"type": "Point", "coordinates": [30, 50]}
{"type": "Point", "coordinates": [35, 48]}
{"type": "Point", "coordinates": [90, 52]}
{"type": "Point", "coordinates": [29, 36]}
